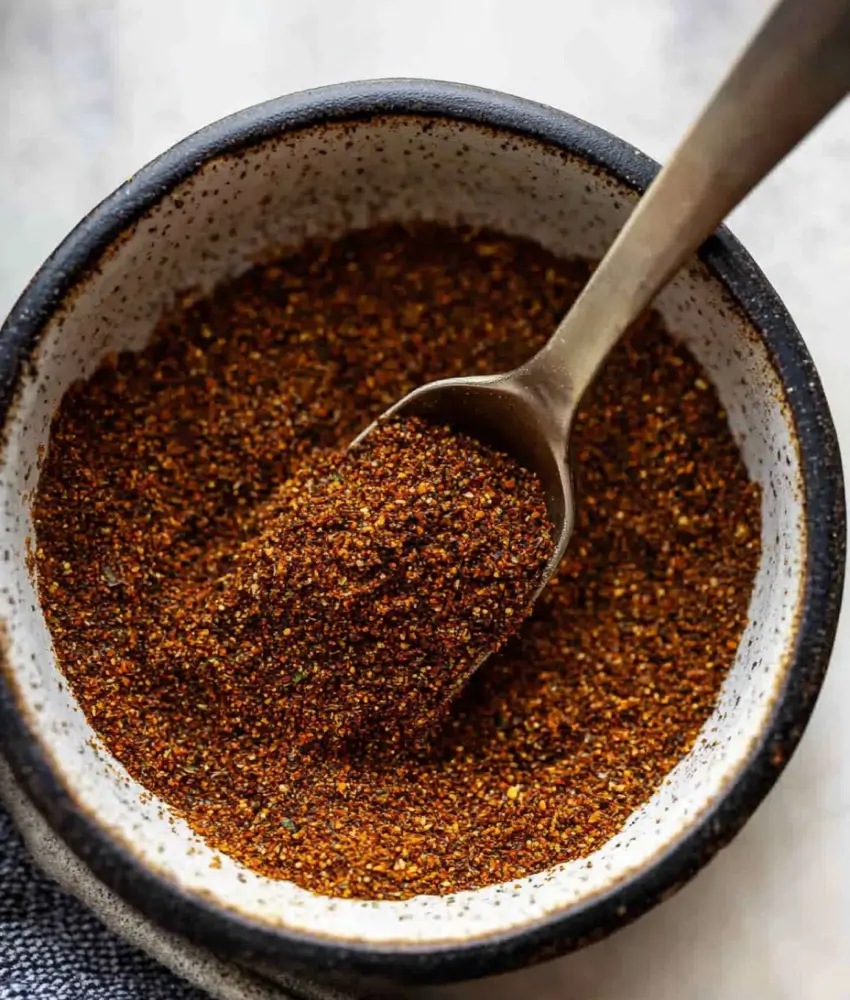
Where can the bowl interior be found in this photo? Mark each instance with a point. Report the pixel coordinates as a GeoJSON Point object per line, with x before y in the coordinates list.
{"type": "Point", "coordinates": [324, 181]}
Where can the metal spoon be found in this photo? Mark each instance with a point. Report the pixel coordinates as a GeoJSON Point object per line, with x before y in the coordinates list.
{"type": "Point", "coordinates": [795, 70]}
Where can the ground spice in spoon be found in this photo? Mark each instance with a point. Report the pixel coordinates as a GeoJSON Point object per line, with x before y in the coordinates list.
{"type": "Point", "coordinates": [380, 578]}
{"type": "Point", "coordinates": [166, 464]}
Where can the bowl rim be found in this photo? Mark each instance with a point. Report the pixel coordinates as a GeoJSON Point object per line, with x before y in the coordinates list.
{"type": "Point", "coordinates": [233, 934]}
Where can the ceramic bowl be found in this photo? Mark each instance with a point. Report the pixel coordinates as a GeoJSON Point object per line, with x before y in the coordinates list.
{"type": "Point", "coordinates": [324, 162]}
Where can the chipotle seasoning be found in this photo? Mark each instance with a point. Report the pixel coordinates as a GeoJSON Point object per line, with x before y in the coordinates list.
{"type": "Point", "coordinates": [166, 465]}
{"type": "Point", "coordinates": [379, 579]}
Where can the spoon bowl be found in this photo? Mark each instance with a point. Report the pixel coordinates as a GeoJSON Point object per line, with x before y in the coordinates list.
{"type": "Point", "coordinates": [506, 413]}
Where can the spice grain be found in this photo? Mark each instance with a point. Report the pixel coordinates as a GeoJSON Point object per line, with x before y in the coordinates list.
{"type": "Point", "coordinates": [165, 465]}
{"type": "Point", "coordinates": [380, 577]}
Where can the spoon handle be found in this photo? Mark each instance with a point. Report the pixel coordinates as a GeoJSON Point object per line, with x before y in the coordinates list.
{"type": "Point", "coordinates": [795, 70]}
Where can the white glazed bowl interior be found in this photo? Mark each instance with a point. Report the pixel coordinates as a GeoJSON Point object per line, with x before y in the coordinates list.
{"type": "Point", "coordinates": [323, 181]}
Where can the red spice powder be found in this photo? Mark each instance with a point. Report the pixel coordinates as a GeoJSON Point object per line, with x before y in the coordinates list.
{"type": "Point", "coordinates": [380, 578]}
{"type": "Point", "coordinates": [166, 464]}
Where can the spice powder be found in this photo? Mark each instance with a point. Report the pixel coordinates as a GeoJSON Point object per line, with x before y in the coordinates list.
{"type": "Point", "coordinates": [380, 578]}
{"type": "Point", "coordinates": [166, 464]}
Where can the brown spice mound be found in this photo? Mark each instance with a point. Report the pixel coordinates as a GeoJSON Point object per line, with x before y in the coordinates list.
{"type": "Point", "coordinates": [380, 578]}
{"type": "Point", "coordinates": [164, 464]}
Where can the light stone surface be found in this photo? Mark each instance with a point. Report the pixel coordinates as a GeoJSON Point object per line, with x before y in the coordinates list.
{"type": "Point", "coordinates": [91, 90]}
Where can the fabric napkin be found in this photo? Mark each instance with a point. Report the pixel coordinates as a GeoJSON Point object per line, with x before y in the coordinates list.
{"type": "Point", "coordinates": [53, 948]}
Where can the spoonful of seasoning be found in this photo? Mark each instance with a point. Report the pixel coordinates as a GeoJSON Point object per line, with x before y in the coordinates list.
{"type": "Point", "coordinates": [379, 579]}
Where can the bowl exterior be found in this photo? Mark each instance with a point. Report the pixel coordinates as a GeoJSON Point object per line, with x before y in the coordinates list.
{"type": "Point", "coordinates": [228, 933]}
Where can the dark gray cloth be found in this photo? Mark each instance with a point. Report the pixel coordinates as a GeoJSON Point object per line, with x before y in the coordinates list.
{"type": "Point", "coordinates": [53, 948]}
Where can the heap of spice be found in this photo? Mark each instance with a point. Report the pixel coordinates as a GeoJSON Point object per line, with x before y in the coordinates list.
{"type": "Point", "coordinates": [166, 463]}
{"type": "Point", "coordinates": [380, 578]}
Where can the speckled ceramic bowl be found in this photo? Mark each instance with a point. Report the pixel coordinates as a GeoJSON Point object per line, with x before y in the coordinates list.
{"type": "Point", "coordinates": [321, 163]}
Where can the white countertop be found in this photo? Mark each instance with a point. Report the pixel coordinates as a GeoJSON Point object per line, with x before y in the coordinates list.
{"type": "Point", "coordinates": [90, 90]}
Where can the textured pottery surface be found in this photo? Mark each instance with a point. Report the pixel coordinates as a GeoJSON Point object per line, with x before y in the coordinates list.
{"type": "Point", "coordinates": [222, 980]}
{"type": "Point", "coordinates": [323, 180]}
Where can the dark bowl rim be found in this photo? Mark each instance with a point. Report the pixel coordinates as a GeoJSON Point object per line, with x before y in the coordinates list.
{"type": "Point", "coordinates": [232, 934]}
